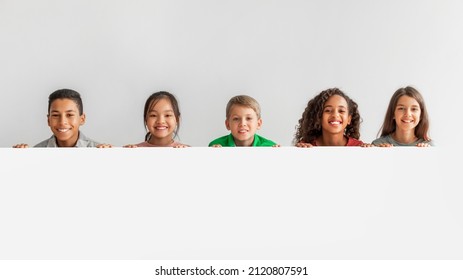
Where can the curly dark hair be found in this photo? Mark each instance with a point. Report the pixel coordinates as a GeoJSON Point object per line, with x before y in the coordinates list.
{"type": "Point", "coordinates": [310, 127]}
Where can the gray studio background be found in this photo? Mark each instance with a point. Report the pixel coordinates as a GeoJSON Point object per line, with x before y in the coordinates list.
{"type": "Point", "coordinates": [116, 53]}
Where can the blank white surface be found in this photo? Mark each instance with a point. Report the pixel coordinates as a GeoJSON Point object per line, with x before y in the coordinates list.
{"type": "Point", "coordinates": [230, 203]}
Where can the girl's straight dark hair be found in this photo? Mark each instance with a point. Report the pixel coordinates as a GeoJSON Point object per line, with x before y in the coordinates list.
{"type": "Point", "coordinates": [153, 100]}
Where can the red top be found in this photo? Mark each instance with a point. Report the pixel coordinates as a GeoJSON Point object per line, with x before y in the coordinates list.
{"type": "Point", "coordinates": [350, 142]}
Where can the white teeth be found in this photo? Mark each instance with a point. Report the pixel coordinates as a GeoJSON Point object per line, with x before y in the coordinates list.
{"type": "Point", "coordinates": [335, 122]}
{"type": "Point", "coordinates": [161, 128]}
{"type": "Point", "coordinates": [63, 129]}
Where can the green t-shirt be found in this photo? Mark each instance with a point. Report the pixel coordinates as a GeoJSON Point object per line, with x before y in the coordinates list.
{"type": "Point", "coordinates": [229, 141]}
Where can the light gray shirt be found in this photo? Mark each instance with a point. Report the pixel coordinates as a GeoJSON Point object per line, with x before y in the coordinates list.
{"type": "Point", "coordinates": [82, 142]}
{"type": "Point", "coordinates": [389, 140]}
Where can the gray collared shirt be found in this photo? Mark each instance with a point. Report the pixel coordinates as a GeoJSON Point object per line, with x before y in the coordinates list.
{"type": "Point", "coordinates": [82, 142]}
{"type": "Point", "coordinates": [389, 140]}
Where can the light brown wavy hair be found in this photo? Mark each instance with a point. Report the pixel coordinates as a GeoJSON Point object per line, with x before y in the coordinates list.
{"type": "Point", "coordinates": [389, 125]}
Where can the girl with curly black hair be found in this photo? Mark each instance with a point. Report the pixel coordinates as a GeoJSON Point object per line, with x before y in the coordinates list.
{"type": "Point", "coordinates": [331, 118]}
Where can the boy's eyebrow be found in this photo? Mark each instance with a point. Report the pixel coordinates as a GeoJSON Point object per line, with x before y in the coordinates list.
{"type": "Point", "coordinates": [249, 114]}
{"type": "Point", "coordinates": [67, 111]}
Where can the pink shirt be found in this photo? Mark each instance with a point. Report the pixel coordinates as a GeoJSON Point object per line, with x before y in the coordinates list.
{"type": "Point", "coordinates": [146, 144]}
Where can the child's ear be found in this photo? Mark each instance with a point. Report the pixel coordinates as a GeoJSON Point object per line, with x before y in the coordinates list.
{"type": "Point", "coordinates": [349, 119]}
{"type": "Point", "coordinates": [82, 119]}
{"type": "Point", "coordinates": [227, 124]}
{"type": "Point", "coordinates": [48, 120]}
{"type": "Point", "coordinates": [259, 123]}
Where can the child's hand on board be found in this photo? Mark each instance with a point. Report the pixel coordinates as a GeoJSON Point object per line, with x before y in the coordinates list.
{"type": "Point", "coordinates": [423, 145]}
{"type": "Point", "coordinates": [384, 145]}
{"type": "Point", "coordinates": [181, 146]}
{"type": "Point", "coordinates": [304, 145]}
{"type": "Point", "coordinates": [22, 145]}
{"type": "Point", "coordinates": [104, 145]}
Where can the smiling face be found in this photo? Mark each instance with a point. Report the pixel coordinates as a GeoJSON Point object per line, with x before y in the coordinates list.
{"type": "Point", "coordinates": [243, 123]}
{"type": "Point", "coordinates": [335, 117]}
{"type": "Point", "coordinates": [407, 113]}
{"type": "Point", "coordinates": [161, 123]}
{"type": "Point", "coordinates": [64, 121]}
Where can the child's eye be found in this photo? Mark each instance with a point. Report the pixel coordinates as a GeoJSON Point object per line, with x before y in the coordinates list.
{"type": "Point", "coordinates": [235, 119]}
{"type": "Point", "coordinates": [168, 115]}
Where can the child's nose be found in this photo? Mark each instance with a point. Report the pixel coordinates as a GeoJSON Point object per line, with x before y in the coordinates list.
{"type": "Point", "coordinates": [63, 120]}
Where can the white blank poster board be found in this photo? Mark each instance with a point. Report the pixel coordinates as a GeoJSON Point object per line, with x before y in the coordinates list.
{"type": "Point", "coordinates": [230, 203]}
